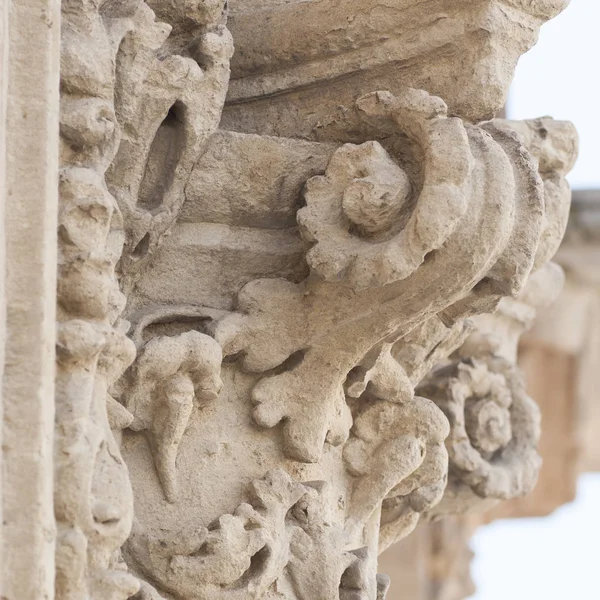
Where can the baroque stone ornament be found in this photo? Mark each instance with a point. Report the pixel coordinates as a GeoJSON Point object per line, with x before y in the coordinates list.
{"type": "Point", "coordinates": [494, 424]}
{"type": "Point", "coordinates": [290, 286]}
{"type": "Point", "coordinates": [129, 86]}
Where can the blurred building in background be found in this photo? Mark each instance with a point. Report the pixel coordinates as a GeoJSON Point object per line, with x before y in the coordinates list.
{"type": "Point", "coordinates": [560, 357]}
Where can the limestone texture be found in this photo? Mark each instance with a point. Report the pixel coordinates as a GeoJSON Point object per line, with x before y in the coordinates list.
{"type": "Point", "coordinates": [291, 257]}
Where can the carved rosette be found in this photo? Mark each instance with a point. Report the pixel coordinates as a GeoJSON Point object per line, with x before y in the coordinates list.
{"type": "Point", "coordinates": [494, 431]}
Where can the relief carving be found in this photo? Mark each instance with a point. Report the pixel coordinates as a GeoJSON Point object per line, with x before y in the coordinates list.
{"type": "Point", "coordinates": [494, 424]}
{"type": "Point", "coordinates": [93, 501]}
{"type": "Point", "coordinates": [384, 290]}
{"type": "Point", "coordinates": [169, 374]}
{"type": "Point", "coordinates": [93, 497]}
{"type": "Point", "coordinates": [494, 429]}
{"type": "Point", "coordinates": [172, 71]}
{"type": "Point", "coordinates": [278, 352]}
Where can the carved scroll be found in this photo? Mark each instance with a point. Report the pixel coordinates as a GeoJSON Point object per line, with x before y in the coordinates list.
{"type": "Point", "coordinates": [324, 328]}
{"type": "Point", "coordinates": [494, 424]}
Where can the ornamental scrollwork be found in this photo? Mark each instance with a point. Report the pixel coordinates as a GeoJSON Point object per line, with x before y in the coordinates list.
{"type": "Point", "coordinates": [278, 353]}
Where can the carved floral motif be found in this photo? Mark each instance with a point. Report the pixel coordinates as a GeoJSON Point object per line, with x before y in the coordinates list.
{"type": "Point", "coordinates": [242, 554]}
{"type": "Point", "coordinates": [272, 431]}
{"type": "Point", "coordinates": [494, 429]}
{"type": "Point", "coordinates": [304, 323]}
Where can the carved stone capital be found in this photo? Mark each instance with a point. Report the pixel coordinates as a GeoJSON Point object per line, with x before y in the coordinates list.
{"type": "Point", "coordinates": [288, 305]}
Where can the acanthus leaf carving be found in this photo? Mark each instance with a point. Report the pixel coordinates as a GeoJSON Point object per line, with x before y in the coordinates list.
{"type": "Point", "coordinates": [169, 374]}
{"type": "Point", "coordinates": [279, 413]}
{"type": "Point", "coordinates": [242, 554]}
{"type": "Point", "coordinates": [321, 326]}
{"type": "Point", "coordinates": [396, 452]}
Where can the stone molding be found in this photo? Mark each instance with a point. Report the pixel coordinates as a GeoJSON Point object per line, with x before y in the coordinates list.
{"type": "Point", "coordinates": [29, 59]}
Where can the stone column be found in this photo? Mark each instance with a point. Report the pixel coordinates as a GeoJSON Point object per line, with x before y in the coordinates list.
{"type": "Point", "coordinates": [30, 95]}
{"type": "Point", "coordinates": [4, 43]}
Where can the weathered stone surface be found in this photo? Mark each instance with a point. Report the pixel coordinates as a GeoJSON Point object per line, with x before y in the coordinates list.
{"type": "Point", "coordinates": [303, 80]}
{"type": "Point", "coordinates": [29, 54]}
{"type": "Point", "coordinates": [288, 305]}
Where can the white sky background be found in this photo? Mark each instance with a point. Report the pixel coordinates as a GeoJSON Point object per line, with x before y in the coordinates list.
{"type": "Point", "coordinates": [557, 557]}
{"type": "Point", "coordinates": [550, 558]}
{"type": "Point", "coordinates": [560, 76]}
